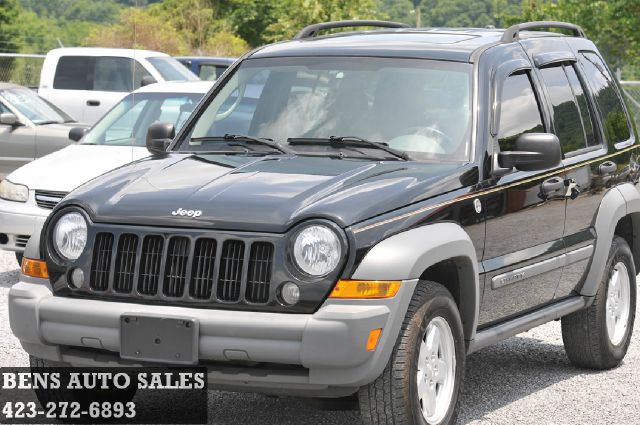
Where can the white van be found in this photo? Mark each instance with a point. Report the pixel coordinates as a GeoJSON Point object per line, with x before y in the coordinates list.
{"type": "Point", "coordinates": [86, 82]}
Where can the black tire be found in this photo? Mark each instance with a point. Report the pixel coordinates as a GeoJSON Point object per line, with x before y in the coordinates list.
{"type": "Point", "coordinates": [392, 398]}
{"type": "Point", "coordinates": [585, 335]}
{"type": "Point", "coordinates": [84, 397]}
{"type": "Point", "coordinates": [19, 256]}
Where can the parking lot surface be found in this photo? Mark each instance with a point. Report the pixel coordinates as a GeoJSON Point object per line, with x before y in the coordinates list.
{"type": "Point", "coordinates": [523, 380]}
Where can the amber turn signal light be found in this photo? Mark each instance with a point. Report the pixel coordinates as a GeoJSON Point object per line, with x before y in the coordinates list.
{"type": "Point", "coordinates": [374, 337]}
{"type": "Point", "coordinates": [365, 289]}
{"type": "Point", "coordinates": [35, 268]}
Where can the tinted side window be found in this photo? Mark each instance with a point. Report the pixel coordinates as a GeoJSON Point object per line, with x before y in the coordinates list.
{"type": "Point", "coordinates": [74, 73]}
{"type": "Point", "coordinates": [519, 110]}
{"type": "Point", "coordinates": [207, 72]}
{"type": "Point", "coordinates": [140, 72]}
{"type": "Point", "coordinates": [113, 74]}
{"type": "Point", "coordinates": [612, 115]}
{"type": "Point", "coordinates": [585, 110]}
{"type": "Point", "coordinates": [567, 120]}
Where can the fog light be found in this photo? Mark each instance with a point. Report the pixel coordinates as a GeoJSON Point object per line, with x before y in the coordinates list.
{"type": "Point", "coordinates": [290, 293]}
{"type": "Point", "coordinates": [77, 278]}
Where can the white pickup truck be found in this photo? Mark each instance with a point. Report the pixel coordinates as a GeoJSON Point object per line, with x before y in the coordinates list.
{"type": "Point", "coordinates": [86, 82]}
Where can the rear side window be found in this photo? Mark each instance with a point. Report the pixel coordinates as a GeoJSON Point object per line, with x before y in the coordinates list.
{"type": "Point", "coordinates": [519, 110]}
{"type": "Point", "coordinates": [585, 109]}
{"type": "Point", "coordinates": [211, 72]}
{"type": "Point", "coordinates": [567, 119]}
{"type": "Point", "coordinates": [113, 74]}
{"type": "Point", "coordinates": [74, 73]}
{"type": "Point", "coordinates": [612, 114]}
{"type": "Point", "coordinates": [102, 73]}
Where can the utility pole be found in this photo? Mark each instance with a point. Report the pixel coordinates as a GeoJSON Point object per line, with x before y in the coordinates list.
{"type": "Point", "coordinates": [418, 12]}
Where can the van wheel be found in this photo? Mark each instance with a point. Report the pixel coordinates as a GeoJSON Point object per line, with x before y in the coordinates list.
{"type": "Point", "coordinates": [421, 383]}
{"type": "Point", "coordinates": [84, 397]}
{"type": "Point", "coordinates": [598, 337]}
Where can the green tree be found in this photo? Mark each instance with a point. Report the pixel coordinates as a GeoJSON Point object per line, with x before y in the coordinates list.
{"type": "Point", "coordinates": [611, 24]}
{"type": "Point", "coordinates": [250, 18]}
{"type": "Point", "coordinates": [293, 15]}
{"type": "Point", "coordinates": [139, 29]}
{"type": "Point", "coordinates": [8, 30]}
{"type": "Point", "coordinates": [450, 13]}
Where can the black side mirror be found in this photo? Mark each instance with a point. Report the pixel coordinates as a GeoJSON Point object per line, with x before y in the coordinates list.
{"type": "Point", "coordinates": [77, 133]}
{"type": "Point", "coordinates": [7, 118]}
{"type": "Point", "coordinates": [532, 152]}
{"type": "Point", "coordinates": [146, 80]}
{"type": "Point", "coordinates": [159, 136]}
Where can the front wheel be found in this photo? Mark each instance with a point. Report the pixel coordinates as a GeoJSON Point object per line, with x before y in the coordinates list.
{"type": "Point", "coordinates": [422, 380]}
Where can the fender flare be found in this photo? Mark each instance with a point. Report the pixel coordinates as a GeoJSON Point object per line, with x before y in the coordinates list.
{"type": "Point", "coordinates": [32, 249]}
{"type": "Point", "coordinates": [619, 202]}
{"type": "Point", "coordinates": [406, 255]}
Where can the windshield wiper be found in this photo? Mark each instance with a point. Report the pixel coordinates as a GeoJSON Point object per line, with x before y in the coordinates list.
{"type": "Point", "coordinates": [337, 142]}
{"type": "Point", "coordinates": [245, 139]}
{"type": "Point", "coordinates": [48, 122]}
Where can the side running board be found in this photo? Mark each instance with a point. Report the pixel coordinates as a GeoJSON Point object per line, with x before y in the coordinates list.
{"type": "Point", "coordinates": [497, 333]}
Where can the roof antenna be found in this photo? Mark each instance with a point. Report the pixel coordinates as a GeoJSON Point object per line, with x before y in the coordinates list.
{"type": "Point", "coordinates": [60, 42]}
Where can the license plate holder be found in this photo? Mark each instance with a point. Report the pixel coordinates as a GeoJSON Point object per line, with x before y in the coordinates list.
{"type": "Point", "coordinates": [159, 339]}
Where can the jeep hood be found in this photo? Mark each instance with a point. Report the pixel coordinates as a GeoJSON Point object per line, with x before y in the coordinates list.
{"type": "Point", "coordinates": [267, 194]}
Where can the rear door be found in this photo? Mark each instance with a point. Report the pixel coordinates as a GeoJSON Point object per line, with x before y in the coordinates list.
{"type": "Point", "coordinates": [597, 165]}
{"type": "Point", "coordinates": [72, 82]}
{"type": "Point", "coordinates": [113, 79]}
{"type": "Point", "coordinates": [86, 87]}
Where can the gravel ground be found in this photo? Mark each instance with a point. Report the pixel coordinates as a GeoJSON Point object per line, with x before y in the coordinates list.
{"type": "Point", "coordinates": [525, 380]}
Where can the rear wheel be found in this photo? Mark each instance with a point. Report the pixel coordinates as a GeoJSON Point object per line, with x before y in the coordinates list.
{"type": "Point", "coordinates": [421, 382]}
{"type": "Point", "coordinates": [599, 336]}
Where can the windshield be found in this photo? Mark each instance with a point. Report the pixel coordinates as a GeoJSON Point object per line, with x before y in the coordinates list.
{"type": "Point", "coordinates": [421, 107]}
{"type": "Point", "coordinates": [172, 70]}
{"type": "Point", "coordinates": [35, 108]}
{"type": "Point", "coordinates": [127, 123]}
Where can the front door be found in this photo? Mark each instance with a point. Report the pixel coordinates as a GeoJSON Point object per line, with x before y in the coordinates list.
{"type": "Point", "coordinates": [17, 145]}
{"type": "Point", "coordinates": [525, 214]}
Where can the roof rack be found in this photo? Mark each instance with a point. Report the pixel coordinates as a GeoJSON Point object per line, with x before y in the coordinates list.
{"type": "Point", "coordinates": [313, 30]}
{"type": "Point", "coordinates": [513, 32]}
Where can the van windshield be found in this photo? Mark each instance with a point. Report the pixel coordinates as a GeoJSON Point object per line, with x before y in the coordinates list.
{"type": "Point", "coordinates": [127, 123]}
{"type": "Point", "coordinates": [421, 107]}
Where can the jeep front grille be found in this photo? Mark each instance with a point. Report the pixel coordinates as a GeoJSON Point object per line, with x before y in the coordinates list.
{"type": "Point", "coordinates": [259, 273]}
{"type": "Point", "coordinates": [125, 263]}
{"type": "Point", "coordinates": [175, 275]}
{"type": "Point", "coordinates": [149, 276]}
{"type": "Point", "coordinates": [101, 262]}
{"type": "Point", "coordinates": [231, 270]}
{"type": "Point", "coordinates": [176, 267]}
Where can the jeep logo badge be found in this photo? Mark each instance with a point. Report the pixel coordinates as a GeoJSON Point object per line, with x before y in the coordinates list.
{"type": "Point", "coordinates": [188, 213]}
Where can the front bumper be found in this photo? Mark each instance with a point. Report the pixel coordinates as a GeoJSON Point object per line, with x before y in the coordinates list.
{"type": "Point", "coordinates": [19, 221]}
{"type": "Point", "coordinates": [322, 354]}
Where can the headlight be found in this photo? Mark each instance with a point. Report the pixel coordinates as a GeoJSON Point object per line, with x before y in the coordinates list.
{"type": "Point", "coordinates": [70, 235]}
{"type": "Point", "coordinates": [13, 192]}
{"type": "Point", "coordinates": [317, 250]}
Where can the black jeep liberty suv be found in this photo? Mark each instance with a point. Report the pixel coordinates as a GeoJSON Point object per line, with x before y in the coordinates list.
{"type": "Point", "coordinates": [353, 214]}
